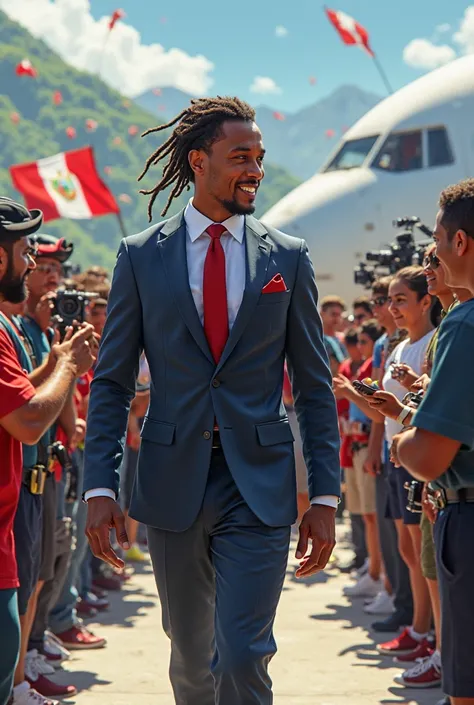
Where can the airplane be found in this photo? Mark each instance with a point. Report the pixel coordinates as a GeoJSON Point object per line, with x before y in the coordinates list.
{"type": "Point", "coordinates": [393, 162]}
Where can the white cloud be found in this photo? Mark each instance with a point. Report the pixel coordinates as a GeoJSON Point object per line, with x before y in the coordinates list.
{"type": "Point", "coordinates": [443, 28]}
{"type": "Point", "coordinates": [281, 31]}
{"type": "Point", "coordinates": [423, 54]}
{"type": "Point", "coordinates": [264, 85]}
{"type": "Point", "coordinates": [129, 65]}
{"type": "Point", "coordinates": [465, 36]}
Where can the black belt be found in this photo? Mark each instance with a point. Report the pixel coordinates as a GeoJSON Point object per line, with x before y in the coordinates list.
{"type": "Point", "coordinates": [441, 498]}
{"type": "Point", "coordinates": [34, 478]}
{"type": "Point", "coordinates": [357, 445]}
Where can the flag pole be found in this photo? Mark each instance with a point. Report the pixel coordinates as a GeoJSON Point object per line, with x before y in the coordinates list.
{"type": "Point", "coordinates": [121, 223]}
{"type": "Point", "coordinates": [382, 73]}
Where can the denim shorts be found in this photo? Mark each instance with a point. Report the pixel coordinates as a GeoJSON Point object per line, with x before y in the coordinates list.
{"type": "Point", "coordinates": [398, 495]}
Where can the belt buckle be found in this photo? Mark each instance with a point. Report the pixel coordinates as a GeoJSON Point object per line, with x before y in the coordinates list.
{"type": "Point", "coordinates": [37, 479]}
{"type": "Point", "coordinates": [440, 499]}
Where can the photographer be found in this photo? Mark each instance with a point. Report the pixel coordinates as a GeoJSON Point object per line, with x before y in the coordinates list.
{"type": "Point", "coordinates": [26, 413]}
{"type": "Point", "coordinates": [439, 448]}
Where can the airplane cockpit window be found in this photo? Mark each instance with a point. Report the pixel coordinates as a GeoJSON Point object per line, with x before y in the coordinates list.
{"type": "Point", "coordinates": [439, 149]}
{"type": "Point", "coordinates": [401, 152]}
{"type": "Point", "coordinates": [352, 154]}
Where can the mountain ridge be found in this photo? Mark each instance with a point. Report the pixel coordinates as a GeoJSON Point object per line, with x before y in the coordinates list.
{"type": "Point", "coordinates": [34, 124]}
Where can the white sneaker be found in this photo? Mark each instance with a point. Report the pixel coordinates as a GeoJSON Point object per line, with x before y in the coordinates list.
{"type": "Point", "coordinates": [54, 647]}
{"type": "Point", "coordinates": [364, 587]}
{"type": "Point", "coordinates": [36, 665]}
{"type": "Point", "coordinates": [383, 604]}
{"type": "Point", "coordinates": [24, 695]}
{"type": "Point", "coordinates": [357, 574]}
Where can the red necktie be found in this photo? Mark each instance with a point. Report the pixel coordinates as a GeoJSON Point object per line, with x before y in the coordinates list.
{"type": "Point", "coordinates": [216, 319]}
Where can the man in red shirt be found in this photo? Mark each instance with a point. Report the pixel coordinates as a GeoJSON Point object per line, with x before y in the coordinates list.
{"type": "Point", "coordinates": [25, 413]}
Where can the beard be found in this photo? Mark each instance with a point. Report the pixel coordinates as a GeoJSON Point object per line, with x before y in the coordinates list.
{"type": "Point", "coordinates": [13, 288]}
{"type": "Point", "coordinates": [236, 208]}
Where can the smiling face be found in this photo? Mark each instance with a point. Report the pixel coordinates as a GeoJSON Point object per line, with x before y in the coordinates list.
{"type": "Point", "coordinates": [228, 174]}
{"type": "Point", "coordinates": [434, 273]}
{"type": "Point", "coordinates": [405, 306]}
{"type": "Point", "coordinates": [16, 263]}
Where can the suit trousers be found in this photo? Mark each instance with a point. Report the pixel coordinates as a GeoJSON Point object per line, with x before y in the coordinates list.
{"type": "Point", "coordinates": [219, 584]}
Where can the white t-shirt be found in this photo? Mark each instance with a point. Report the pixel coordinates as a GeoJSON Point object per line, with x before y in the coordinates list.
{"type": "Point", "coordinates": [412, 354]}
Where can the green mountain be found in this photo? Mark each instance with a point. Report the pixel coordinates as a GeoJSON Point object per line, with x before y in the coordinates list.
{"type": "Point", "coordinates": [41, 132]}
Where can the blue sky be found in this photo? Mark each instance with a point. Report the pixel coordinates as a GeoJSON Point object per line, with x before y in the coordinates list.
{"type": "Point", "coordinates": [239, 39]}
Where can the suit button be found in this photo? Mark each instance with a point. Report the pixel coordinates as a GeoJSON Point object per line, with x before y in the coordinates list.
{"type": "Point", "coordinates": [216, 383]}
{"type": "Point", "coordinates": [206, 435]}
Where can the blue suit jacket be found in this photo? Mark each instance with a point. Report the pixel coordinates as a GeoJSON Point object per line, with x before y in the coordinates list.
{"type": "Point", "coordinates": [151, 308]}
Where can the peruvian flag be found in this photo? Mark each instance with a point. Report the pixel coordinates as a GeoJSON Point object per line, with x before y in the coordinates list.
{"type": "Point", "coordinates": [350, 31]}
{"type": "Point", "coordinates": [66, 185]}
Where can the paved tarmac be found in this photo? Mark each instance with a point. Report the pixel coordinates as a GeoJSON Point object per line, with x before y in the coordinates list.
{"type": "Point", "coordinates": [326, 651]}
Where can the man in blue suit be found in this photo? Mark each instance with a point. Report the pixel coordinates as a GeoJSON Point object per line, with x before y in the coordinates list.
{"type": "Point", "coordinates": [217, 301]}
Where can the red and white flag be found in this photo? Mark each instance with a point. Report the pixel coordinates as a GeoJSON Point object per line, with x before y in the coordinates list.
{"type": "Point", "coordinates": [66, 185]}
{"type": "Point", "coordinates": [115, 17]}
{"type": "Point", "coordinates": [26, 68]}
{"type": "Point", "coordinates": [350, 31]}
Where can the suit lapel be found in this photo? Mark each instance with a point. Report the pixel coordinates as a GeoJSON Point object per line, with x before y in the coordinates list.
{"type": "Point", "coordinates": [257, 258]}
{"type": "Point", "coordinates": [172, 247]}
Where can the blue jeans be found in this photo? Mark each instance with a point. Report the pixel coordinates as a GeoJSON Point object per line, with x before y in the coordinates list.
{"type": "Point", "coordinates": [64, 615]}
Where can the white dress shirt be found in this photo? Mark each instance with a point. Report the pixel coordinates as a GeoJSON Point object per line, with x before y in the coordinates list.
{"type": "Point", "coordinates": [197, 244]}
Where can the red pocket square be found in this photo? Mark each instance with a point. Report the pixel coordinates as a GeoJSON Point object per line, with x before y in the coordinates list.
{"type": "Point", "coordinates": [275, 285]}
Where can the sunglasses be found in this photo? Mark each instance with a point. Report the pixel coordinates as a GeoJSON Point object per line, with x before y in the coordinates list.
{"type": "Point", "coordinates": [431, 261]}
{"type": "Point", "coordinates": [379, 301]}
{"type": "Point", "coordinates": [49, 269]}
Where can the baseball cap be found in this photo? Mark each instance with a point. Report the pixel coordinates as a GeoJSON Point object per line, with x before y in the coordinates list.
{"type": "Point", "coordinates": [50, 246]}
{"type": "Point", "coordinates": [16, 221]}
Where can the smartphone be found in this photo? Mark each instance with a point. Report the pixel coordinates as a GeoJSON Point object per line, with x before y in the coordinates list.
{"type": "Point", "coordinates": [365, 389]}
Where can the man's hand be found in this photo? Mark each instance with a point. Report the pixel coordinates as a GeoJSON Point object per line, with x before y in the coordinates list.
{"type": "Point", "coordinates": [80, 347]}
{"type": "Point", "coordinates": [394, 450]}
{"type": "Point", "coordinates": [386, 403]}
{"type": "Point", "coordinates": [429, 509]}
{"type": "Point", "coordinates": [405, 375]}
{"type": "Point", "coordinates": [372, 465]}
{"type": "Point", "coordinates": [104, 514]}
{"type": "Point", "coordinates": [340, 386]}
{"type": "Point", "coordinates": [44, 310]}
{"type": "Point", "coordinates": [422, 383]}
{"type": "Point", "coordinates": [319, 525]}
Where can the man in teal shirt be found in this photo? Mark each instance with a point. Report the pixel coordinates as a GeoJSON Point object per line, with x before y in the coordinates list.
{"type": "Point", "coordinates": [440, 446]}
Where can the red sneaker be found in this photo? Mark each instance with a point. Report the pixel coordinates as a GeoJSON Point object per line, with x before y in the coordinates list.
{"type": "Point", "coordinates": [46, 687]}
{"type": "Point", "coordinates": [426, 674]}
{"type": "Point", "coordinates": [107, 583]}
{"type": "Point", "coordinates": [78, 637]}
{"type": "Point", "coordinates": [400, 646]}
{"type": "Point", "coordinates": [422, 651]}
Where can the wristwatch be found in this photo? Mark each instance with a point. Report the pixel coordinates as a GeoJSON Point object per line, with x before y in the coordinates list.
{"type": "Point", "coordinates": [403, 415]}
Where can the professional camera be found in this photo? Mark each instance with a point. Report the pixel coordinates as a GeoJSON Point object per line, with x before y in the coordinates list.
{"type": "Point", "coordinates": [415, 494]}
{"type": "Point", "coordinates": [403, 252]}
{"type": "Point", "coordinates": [69, 306]}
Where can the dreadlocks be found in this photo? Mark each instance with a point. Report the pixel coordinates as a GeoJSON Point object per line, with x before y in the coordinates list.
{"type": "Point", "coordinates": [198, 127]}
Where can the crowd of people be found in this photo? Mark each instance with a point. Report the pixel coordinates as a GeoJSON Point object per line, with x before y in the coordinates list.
{"type": "Point", "coordinates": [59, 582]}
{"type": "Point", "coordinates": [409, 495]}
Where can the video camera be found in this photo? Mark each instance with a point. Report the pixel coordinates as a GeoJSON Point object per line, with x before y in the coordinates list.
{"type": "Point", "coordinates": [401, 253]}
{"type": "Point", "coordinates": [70, 306]}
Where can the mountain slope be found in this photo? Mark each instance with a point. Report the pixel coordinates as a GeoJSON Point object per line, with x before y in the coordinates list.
{"type": "Point", "coordinates": [41, 132]}
{"type": "Point", "coordinates": [300, 142]}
